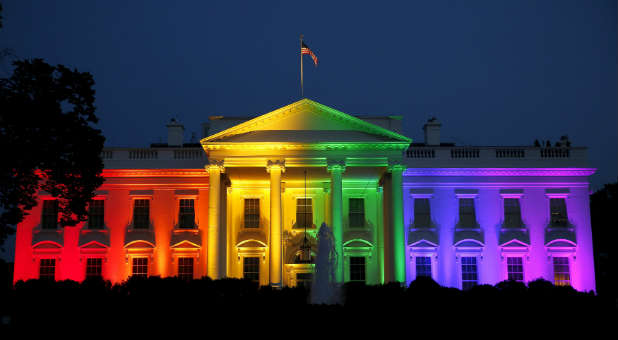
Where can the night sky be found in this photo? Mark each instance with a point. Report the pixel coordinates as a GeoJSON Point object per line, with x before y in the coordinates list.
{"type": "Point", "coordinates": [493, 72]}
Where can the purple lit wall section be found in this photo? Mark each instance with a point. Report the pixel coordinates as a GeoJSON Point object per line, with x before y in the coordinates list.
{"type": "Point", "coordinates": [537, 243]}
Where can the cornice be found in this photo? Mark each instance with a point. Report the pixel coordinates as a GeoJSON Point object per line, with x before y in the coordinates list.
{"type": "Point", "coordinates": [110, 173]}
{"type": "Point", "coordinates": [499, 171]}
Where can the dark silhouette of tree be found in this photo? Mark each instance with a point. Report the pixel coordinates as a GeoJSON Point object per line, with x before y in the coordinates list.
{"type": "Point", "coordinates": [48, 142]}
{"type": "Point", "coordinates": [603, 205]}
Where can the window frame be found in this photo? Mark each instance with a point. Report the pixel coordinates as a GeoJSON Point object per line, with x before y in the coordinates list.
{"type": "Point", "coordinates": [102, 216]}
{"type": "Point", "coordinates": [147, 266]}
{"type": "Point", "coordinates": [245, 215]}
{"type": "Point", "coordinates": [135, 199]}
{"type": "Point", "coordinates": [309, 222]}
{"type": "Point", "coordinates": [416, 223]}
{"type": "Point", "coordinates": [86, 269]}
{"type": "Point", "coordinates": [355, 265]}
{"type": "Point", "coordinates": [461, 271]}
{"type": "Point", "coordinates": [244, 268]}
{"type": "Point", "coordinates": [54, 275]}
{"type": "Point", "coordinates": [362, 214]}
{"type": "Point", "coordinates": [180, 265]}
{"type": "Point", "coordinates": [181, 214]}
{"type": "Point", "coordinates": [569, 280]}
{"type": "Point", "coordinates": [46, 216]}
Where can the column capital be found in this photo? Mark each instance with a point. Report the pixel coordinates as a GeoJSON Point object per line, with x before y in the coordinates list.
{"type": "Point", "coordinates": [215, 165]}
{"type": "Point", "coordinates": [336, 166]}
{"type": "Point", "coordinates": [274, 164]}
{"type": "Point", "coordinates": [396, 167]}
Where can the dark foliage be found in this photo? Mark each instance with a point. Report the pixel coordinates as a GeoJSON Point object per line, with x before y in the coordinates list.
{"type": "Point", "coordinates": [48, 142]}
{"type": "Point", "coordinates": [603, 205]}
{"type": "Point", "coordinates": [243, 308]}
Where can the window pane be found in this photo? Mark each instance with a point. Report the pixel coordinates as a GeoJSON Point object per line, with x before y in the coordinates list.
{"type": "Point", "coordinates": [423, 266]}
{"type": "Point", "coordinates": [356, 213]}
{"type": "Point", "coordinates": [515, 268]}
{"type": "Point", "coordinates": [94, 267]}
{"type": "Point", "coordinates": [304, 279]}
{"type": "Point", "coordinates": [357, 268]}
{"type": "Point", "coordinates": [251, 268]}
{"type": "Point", "coordinates": [558, 212]}
{"type": "Point", "coordinates": [96, 214]}
{"type": "Point", "coordinates": [185, 268]}
{"type": "Point", "coordinates": [140, 266]}
{"type": "Point", "coordinates": [512, 212]}
{"type": "Point", "coordinates": [252, 213]}
{"type": "Point", "coordinates": [49, 219]}
{"type": "Point", "coordinates": [141, 214]}
{"type": "Point", "coordinates": [469, 275]}
{"type": "Point", "coordinates": [422, 216]}
{"type": "Point", "coordinates": [562, 274]}
{"type": "Point", "coordinates": [47, 269]}
{"type": "Point", "coordinates": [304, 213]}
{"type": "Point", "coordinates": [186, 214]}
{"type": "Point", "coordinates": [467, 217]}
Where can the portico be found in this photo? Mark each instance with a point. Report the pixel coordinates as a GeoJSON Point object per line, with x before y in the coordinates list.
{"type": "Point", "coordinates": [259, 169]}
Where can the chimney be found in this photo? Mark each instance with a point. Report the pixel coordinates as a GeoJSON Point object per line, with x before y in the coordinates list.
{"type": "Point", "coordinates": [175, 133]}
{"type": "Point", "coordinates": [432, 131]}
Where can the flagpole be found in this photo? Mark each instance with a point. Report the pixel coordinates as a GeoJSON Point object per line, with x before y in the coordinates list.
{"type": "Point", "coordinates": [302, 91]}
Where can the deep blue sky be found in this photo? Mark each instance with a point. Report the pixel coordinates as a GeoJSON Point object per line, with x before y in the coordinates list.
{"type": "Point", "coordinates": [494, 72]}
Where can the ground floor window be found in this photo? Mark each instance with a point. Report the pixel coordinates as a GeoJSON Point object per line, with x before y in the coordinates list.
{"type": "Point", "coordinates": [47, 269]}
{"type": "Point", "coordinates": [304, 279]}
{"type": "Point", "coordinates": [185, 268]}
{"type": "Point", "coordinates": [469, 272]}
{"type": "Point", "coordinates": [515, 269]}
{"type": "Point", "coordinates": [562, 274]}
{"type": "Point", "coordinates": [140, 266]}
{"type": "Point", "coordinates": [251, 268]}
{"type": "Point", "coordinates": [357, 268]}
{"type": "Point", "coordinates": [94, 267]}
{"type": "Point", "coordinates": [423, 266]}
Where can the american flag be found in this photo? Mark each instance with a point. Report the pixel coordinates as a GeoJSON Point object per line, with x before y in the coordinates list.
{"type": "Point", "coordinates": [304, 49]}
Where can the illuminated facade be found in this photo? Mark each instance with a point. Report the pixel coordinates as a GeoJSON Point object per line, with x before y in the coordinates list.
{"type": "Point", "coordinates": [245, 201]}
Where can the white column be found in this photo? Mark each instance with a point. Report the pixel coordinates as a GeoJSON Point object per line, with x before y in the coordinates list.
{"type": "Point", "coordinates": [275, 169]}
{"type": "Point", "coordinates": [336, 174]}
{"type": "Point", "coordinates": [214, 211]}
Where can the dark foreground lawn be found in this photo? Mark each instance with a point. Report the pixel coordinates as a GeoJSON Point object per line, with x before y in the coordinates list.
{"type": "Point", "coordinates": [239, 306]}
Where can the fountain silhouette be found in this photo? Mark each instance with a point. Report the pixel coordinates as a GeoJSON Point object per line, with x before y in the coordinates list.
{"type": "Point", "coordinates": [324, 289]}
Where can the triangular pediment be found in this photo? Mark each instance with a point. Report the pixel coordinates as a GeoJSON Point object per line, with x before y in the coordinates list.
{"type": "Point", "coordinates": [306, 122]}
{"type": "Point", "coordinates": [185, 245]}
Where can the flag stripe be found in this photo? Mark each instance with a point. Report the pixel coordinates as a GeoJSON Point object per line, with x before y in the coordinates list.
{"type": "Point", "coordinates": [305, 50]}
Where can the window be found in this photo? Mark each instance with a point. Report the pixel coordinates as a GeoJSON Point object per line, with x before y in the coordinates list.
{"type": "Point", "coordinates": [357, 268]}
{"type": "Point", "coordinates": [186, 214]}
{"type": "Point", "coordinates": [423, 266]}
{"type": "Point", "coordinates": [469, 275]}
{"type": "Point", "coordinates": [512, 212]}
{"type": "Point", "coordinates": [304, 280]}
{"type": "Point", "coordinates": [252, 212]}
{"type": "Point", "coordinates": [304, 213]}
{"type": "Point", "coordinates": [140, 266]}
{"type": "Point", "coordinates": [562, 274]}
{"type": "Point", "coordinates": [49, 219]}
{"type": "Point", "coordinates": [185, 268]}
{"type": "Point", "coordinates": [467, 217]}
{"type": "Point", "coordinates": [47, 269]}
{"type": "Point", "coordinates": [422, 215]}
{"type": "Point", "coordinates": [515, 268]}
{"type": "Point", "coordinates": [141, 214]}
{"type": "Point", "coordinates": [558, 212]}
{"type": "Point", "coordinates": [94, 267]}
{"type": "Point", "coordinates": [357, 212]}
{"type": "Point", "coordinates": [96, 212]}
{"type": "Point", "coordinates": [251, 268]}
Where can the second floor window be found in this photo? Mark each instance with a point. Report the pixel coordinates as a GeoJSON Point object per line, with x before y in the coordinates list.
{"type": "Point", "coordinates": [357, 212]}
{"type": "Point", "coordinates": [467, 216]}
{"type": "Point", "coordinates": [186, 214]}
{"type": "Point", "coordinates": [557, 207]}
{"type": "Point", "coordinates": [49, 218]}
{"type": "Point", "coordinates": [141, 214]}
{"type": "Point", "coordinates": [512, 212]}
{"type": "Point", "coordinates": [422, 215]}
{"type": "Point", "coordinates": [252, 212]}
{"type": "Point", "coordinates": [304, 213]}
{"type": "Point", "coordinates": [96, 214]}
